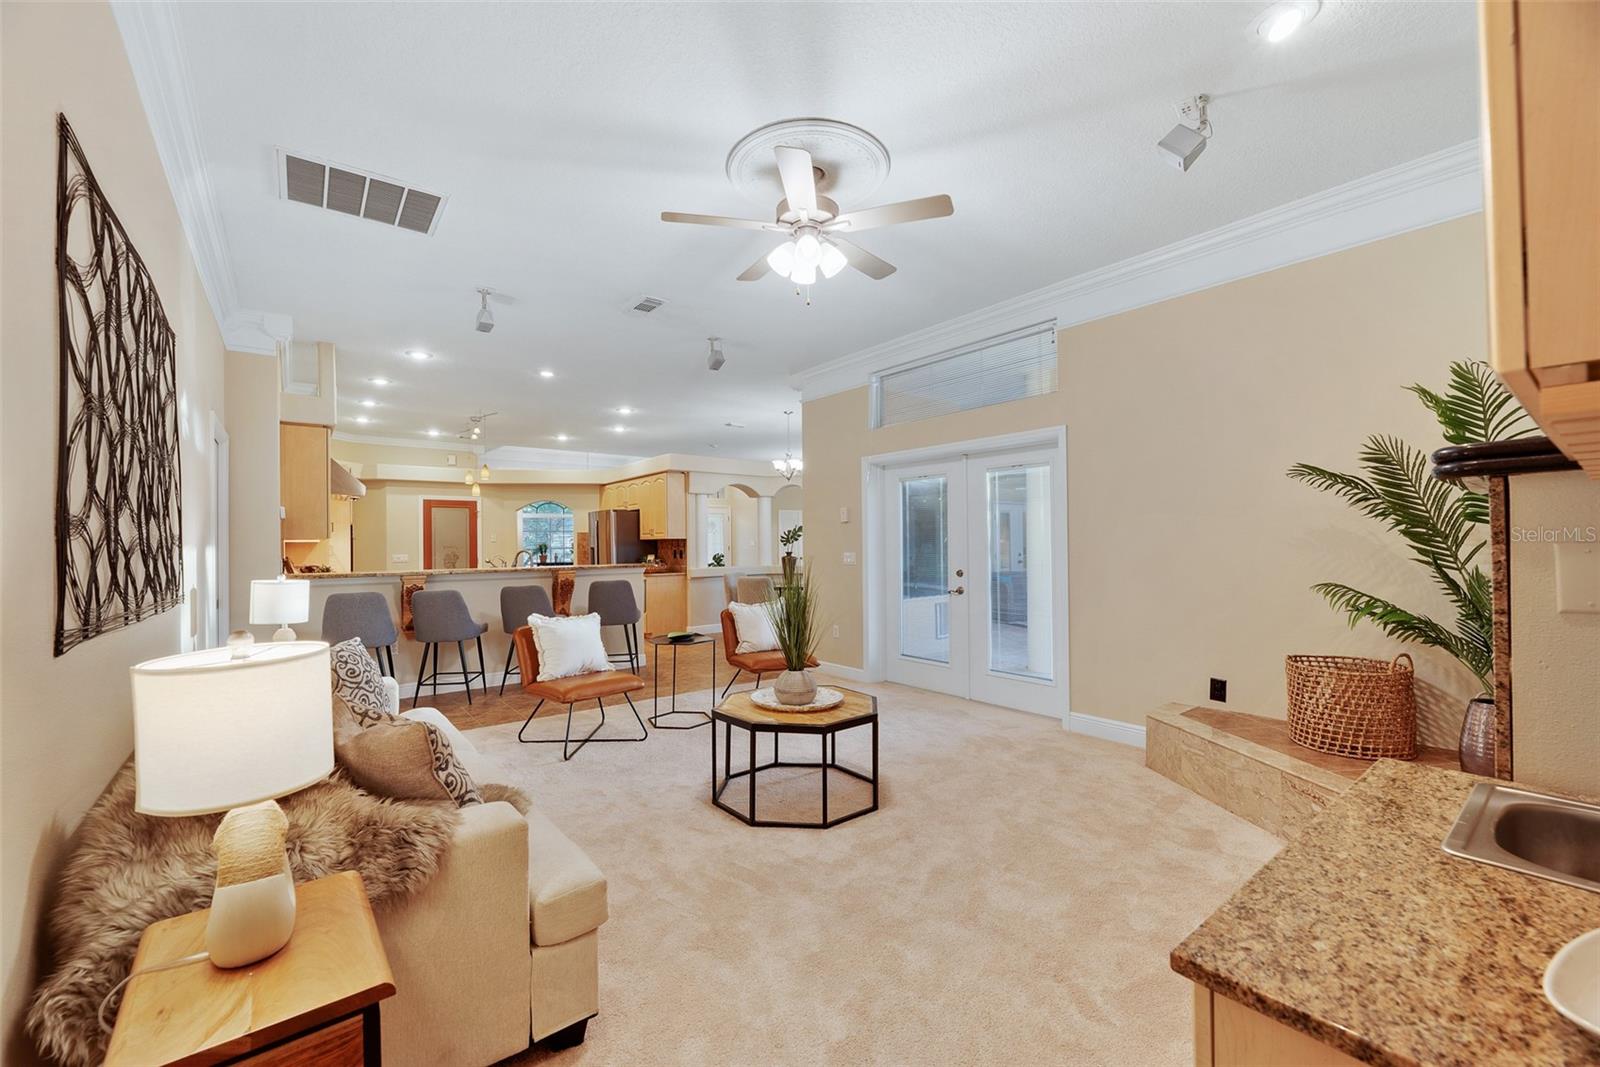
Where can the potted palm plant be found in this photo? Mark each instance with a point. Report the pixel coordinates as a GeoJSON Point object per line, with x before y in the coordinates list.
{"type": "Point", "coordinates": [794, 620]}
{"type": "Point", "coordinates": [544, 553]}
{"type": "Point", "coordinates": [1442, 523]}
{"type": "Point", "coordinates": [788, 539]}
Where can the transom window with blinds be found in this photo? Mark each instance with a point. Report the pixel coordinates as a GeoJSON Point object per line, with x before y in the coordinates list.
{"type": "Point", "coordinates": [1010, 366]}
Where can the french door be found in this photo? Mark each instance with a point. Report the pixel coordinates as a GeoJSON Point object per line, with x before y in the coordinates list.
{"type": "Point", "coordinates": [976, 577]}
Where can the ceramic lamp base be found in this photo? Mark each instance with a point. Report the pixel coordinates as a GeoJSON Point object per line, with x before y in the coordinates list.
{"type": "Point", "coordinates": [252, 910]}
{"type": "Point", "coordinates": [283, 633]}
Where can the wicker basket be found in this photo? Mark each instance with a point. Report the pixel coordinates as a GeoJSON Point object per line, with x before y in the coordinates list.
{"type": "Point", "coordinates": [1362, 708]}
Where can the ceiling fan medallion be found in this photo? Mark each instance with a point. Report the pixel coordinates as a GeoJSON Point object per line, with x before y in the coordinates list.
{"type": "Point", "coordinates": [815, 156]}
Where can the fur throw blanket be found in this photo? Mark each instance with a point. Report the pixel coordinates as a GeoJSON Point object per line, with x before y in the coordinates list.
{"type": "Point", "coordinates": [128, 870]}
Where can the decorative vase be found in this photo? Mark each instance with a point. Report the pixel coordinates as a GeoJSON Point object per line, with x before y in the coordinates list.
{"type": "Point", "coordinates": [1478, 737]}
{"type": "Point", "coordinates": [795, 688]}
{"type": "Point", "coordinates": [789, 564]}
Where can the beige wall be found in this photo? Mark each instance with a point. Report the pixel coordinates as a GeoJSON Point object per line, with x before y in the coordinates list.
{"type": "Point", "coordinates": [253, 547]}
{"type": "Point", "coordinates": [64, 723]}
{"type": "Point", "coordinates": [1190, 553]}
{"type": "Point", "coordinates": [1555, 656]}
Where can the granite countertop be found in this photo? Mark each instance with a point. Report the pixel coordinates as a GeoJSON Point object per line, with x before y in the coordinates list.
{"type": "Point", "coordinates": [447, 571]}
{"type": "Point", "coordinates": [1367, 936]}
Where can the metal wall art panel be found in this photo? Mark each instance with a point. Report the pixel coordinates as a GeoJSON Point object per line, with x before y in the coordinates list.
{"type": "Point", "coordinates": [119, 520]}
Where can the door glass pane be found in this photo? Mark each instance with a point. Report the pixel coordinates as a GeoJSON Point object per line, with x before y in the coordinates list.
{"type": "Point", "coordinates": [1019, 579]}
{"type": "Point", "coordinates": [924, 559]}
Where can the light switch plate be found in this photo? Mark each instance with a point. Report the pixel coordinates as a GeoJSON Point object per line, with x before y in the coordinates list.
{"type": "Point", "coordinates": [849, 559]}
{"type": "Point", "coordinates": [1577, 577]}
{"type": "Point", "coordinates": [844, 514]}
{"type": "Point", "coordinates": [399, 557]}
{"type": "Point", "coordinates": [450, 460]}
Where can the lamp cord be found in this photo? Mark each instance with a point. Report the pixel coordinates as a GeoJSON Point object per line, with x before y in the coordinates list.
{"type": "Point", "coordinates": [180, 962]}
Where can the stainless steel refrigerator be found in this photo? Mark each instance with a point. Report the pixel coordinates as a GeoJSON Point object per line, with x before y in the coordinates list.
{"type": "Point", "coordinates": [614, 537]}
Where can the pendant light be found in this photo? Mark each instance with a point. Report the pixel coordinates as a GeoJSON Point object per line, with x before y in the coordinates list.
{"type": "Point", "coordinates": [788, 466]}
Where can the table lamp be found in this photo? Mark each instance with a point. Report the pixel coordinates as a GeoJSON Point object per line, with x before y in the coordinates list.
{"type": "Point", "coordinates": [230, 729]}
{"type": "Point", "coordinates": [280, 601]}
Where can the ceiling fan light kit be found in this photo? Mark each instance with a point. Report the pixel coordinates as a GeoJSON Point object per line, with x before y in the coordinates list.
{"type": "Point", "coordinates": [812, 222]}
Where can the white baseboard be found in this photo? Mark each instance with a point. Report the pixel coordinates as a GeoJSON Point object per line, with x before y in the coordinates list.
{"type": "Point", "coordinates": [1123, 733]}
{"type": "Point", "coordinates": [849, 674]}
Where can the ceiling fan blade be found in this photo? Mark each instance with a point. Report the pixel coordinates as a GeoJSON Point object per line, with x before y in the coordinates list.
{"type": "Point", "coordinates": [799, 180]}
{"type": "Point", "coordinates": [928, 207]}
{"type": "Point", "coordinates": [862, 260]}
{"type": "Point", "coordinates": [757, 270]}
{"type": "Point", "coordinates": [722, 220]}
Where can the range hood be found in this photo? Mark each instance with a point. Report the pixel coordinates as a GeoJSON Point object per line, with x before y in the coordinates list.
{"type": "Point", "coordinates": [342, 483]}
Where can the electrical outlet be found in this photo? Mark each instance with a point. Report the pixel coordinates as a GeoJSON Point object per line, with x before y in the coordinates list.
{"type": "Point", "coordinates": [849, 559]}
{"type": "Point", "coordinates": [1219, 690]}
{"type": "Point", "coordinates": [836, 629]}
{"type": "Point", "coordinates": [844, 514]}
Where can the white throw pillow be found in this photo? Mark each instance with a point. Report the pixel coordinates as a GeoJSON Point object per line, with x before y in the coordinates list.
{"type": "Point", "coordinates": [568, 645]}
{"type": "Point", "coordinates": [753, 625]}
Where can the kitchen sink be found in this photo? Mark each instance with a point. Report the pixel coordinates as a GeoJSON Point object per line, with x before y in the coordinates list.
{"type": "Point", "coordinates": [1531, 833]}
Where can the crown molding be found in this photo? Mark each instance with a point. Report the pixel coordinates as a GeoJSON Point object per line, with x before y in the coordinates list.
{"type": "Point", "coordinates": [1424, 192]}
{"type": "Point", "coordinates": [155, 52]}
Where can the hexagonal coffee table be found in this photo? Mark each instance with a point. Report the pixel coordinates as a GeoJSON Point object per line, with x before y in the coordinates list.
{"type": "Point", "coordinates": [858, 709]}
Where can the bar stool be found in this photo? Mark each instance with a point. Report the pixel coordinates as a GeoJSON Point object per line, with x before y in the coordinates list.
{"type": "Point", "coordinates": [613, 601]}
{"type": "Point", "coordinates": [437, 616]}
{"type": "Point", "coordinates": [363, 615]}
{"type": "Point", "coordinates": [517, 602]}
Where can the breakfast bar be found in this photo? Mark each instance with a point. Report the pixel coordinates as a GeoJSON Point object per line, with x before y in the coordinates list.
{"type": "Point", "coordinates": [567, 584]}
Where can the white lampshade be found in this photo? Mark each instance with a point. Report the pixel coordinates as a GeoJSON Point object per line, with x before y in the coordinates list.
{"type": "Point", "coordinates": [213, 732]}
{"type": "Point", "coordinates": [279, 601]}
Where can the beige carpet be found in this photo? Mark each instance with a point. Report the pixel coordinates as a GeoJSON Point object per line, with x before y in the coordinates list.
{"type": "Point", "coordinates": [1012, 901]}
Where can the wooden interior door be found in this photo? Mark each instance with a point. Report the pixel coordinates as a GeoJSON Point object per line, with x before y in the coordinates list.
{"type": "Point", "coordinates": [449, 534]}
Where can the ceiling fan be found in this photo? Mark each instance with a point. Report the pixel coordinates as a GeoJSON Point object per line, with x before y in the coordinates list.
{"type": "Point", "coordinates": [815, 228]}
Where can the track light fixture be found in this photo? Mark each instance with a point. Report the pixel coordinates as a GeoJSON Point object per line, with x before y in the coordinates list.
{"type": "Point", "coordinates": [1183, 145]}
{"type": "Point", "coordinates": [716, 359]}
{"type": "Point", "coordinates": [485, 316]}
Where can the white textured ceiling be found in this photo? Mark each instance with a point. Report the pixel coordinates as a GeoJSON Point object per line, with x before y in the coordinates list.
{"type": "Point", "coordinates": [561, 131]}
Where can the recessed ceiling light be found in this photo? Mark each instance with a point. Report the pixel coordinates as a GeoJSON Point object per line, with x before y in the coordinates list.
{"type": "Point", "coordinates": [369, 403]}
{"type": "Point", "coordinates": [380, 381]}
{"type": "Point", "coordinates": [624, 410]}
{"type": "Point", "coordinates": [619, 428]}
{"type": "Point", "coordinates": [562, 437]}
{"type": "Point", "coordinates": [547, 374]}
{"type": "Point", "coordinates": [1281, 20]}
{"type": "Point", "coordinates": [419, 355]}
{"type": "Point", "coordinates": [363, 419]}
{"type": "Point", "coordinates": [432, 433]}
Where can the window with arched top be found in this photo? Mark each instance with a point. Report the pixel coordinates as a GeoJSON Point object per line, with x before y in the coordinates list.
{"type": "Point", "coordinates": [550, 524]}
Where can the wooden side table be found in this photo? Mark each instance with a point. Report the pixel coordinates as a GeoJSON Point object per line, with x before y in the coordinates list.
{"type": "Point", "coordinates": [314, 1002]}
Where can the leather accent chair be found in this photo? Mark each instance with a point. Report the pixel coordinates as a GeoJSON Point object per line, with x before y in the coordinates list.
{"type": "Point", "coordinates": [572, 690]}
{"type": "Point", "coordinates": [757, 663]}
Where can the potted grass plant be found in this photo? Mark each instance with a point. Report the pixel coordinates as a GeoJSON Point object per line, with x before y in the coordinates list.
{"type": "Point", "coordinates": [794, 620]}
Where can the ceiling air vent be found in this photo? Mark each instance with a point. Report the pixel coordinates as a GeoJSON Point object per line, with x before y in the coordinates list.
{"type": "Point", "coordinates": [307, 180]}
{"type": "Point", "coordinates": [648, 304]}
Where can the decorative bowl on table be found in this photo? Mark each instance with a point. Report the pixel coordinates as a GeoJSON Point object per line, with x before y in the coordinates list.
{"type": "Point", "coordinates": [827, 697]}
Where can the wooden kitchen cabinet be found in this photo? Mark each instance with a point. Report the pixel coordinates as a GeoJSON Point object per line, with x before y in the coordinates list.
{"type": "Point", "coordinates": [1228, 1034]}
{"type": "Point", "coordinates": [660, 501]}
{"type": "Point", "coordinates": [303, 481]}
{"type": "Point", "coordinates": [666, 603]}
{"type": "Point", "coordinates": [1541, 150]}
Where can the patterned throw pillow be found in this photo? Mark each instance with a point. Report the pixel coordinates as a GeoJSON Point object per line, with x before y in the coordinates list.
{"type": "Point", "coordinates": [357, 679]}
{"type": "Point", "coordinates": [400, 758]}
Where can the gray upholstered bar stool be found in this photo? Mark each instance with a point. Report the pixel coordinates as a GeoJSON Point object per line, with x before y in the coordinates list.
{"type": "Point", "coordinates": [517, 602]}
{"type": "Point", "coordinates": [438, 616]}
{"type": "Point", "coordinates": [363, 615]}
{"type": "Point", "coordinates": [613, 601]}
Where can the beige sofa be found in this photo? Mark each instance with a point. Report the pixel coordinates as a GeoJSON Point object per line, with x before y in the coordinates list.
{"type": "Point", "coordinates": [500, 949]}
